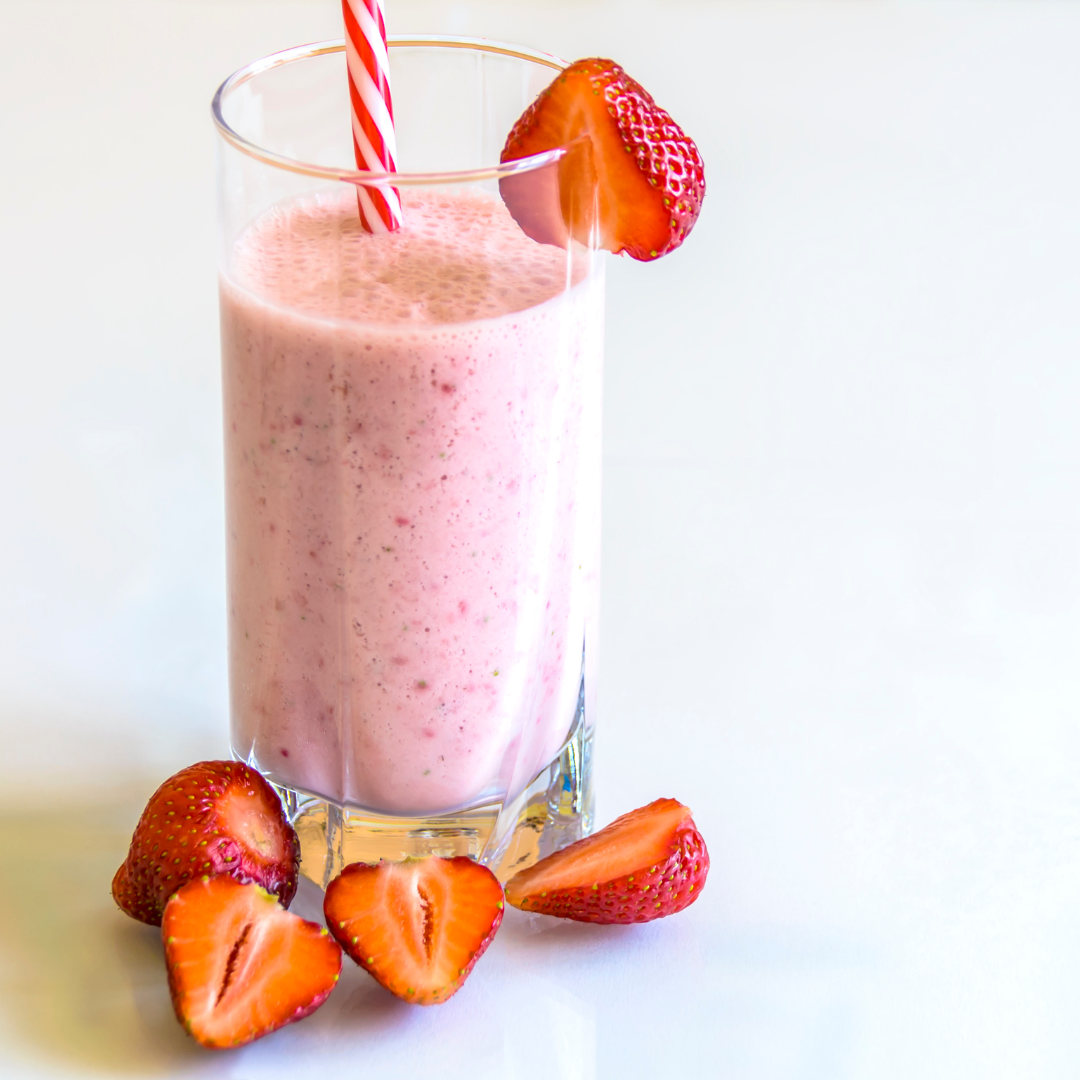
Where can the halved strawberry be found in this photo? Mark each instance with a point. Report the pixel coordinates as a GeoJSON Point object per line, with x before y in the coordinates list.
{"type": "Point", "coordinates": [240, 965]}
{"type": "Point", "coordinates": [633, 172]}
{"type": "Point", "coordinates": [417, 926]}
{"type": "Point", "coordinates": [216, 817]}
{"type": "Point", "coordinates": [646, 864]}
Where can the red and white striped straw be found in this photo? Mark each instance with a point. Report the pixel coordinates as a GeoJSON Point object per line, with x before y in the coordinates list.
{"type": "Point", "coordinates": [372, 111]}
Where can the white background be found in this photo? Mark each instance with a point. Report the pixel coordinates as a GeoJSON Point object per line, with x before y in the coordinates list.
{"type": "Point", "coordinates": [841, 551]}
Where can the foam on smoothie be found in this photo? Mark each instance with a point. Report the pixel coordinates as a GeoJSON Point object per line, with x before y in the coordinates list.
{"type": "Point", "coordinates": [459, 256]}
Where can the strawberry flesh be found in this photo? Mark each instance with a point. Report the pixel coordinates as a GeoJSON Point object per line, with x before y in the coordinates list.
{"type": "Point", "coordinates": [630, 173]}
{"type": "Point", "coordinates": [240, 965]}
{"type": "Point", "coordinates": [646, 864]}
{"type": "Point", "coordinates": [216, 817]}
{"type": "Point", "coordinates": [417, 926]}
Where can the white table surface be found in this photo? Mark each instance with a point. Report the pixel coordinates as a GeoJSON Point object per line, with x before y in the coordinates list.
{"type": "Point", "coordinates": [841, 551]}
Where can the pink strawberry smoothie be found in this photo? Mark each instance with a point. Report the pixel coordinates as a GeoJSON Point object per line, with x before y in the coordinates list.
{"type": "Point", "coordinates": [412, 468]}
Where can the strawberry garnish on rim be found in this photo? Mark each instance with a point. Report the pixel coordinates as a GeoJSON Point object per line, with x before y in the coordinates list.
{"type": "Point", "coordinates": [630, 172]}
{"type": "Point", "coordinates": [646, 864]}
{"type": "Point", "coordinates": [417, 926]}
{"type": "Point", "coordinates": [240, 965]}
{"type": "Point", "coordinates": [216, 817]}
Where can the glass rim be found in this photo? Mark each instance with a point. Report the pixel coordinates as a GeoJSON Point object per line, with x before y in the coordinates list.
{"type": "Point", "coordinates": [360, 176]}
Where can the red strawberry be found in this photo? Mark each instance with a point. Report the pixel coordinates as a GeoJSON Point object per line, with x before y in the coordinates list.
{"type": "Point", "coordinates": [647, 173]}
{"type": "Point", "coordinates": [240, 965]}
{"type": "Point", "coordinates": [647, 864]}
{"type": "Point", "coordinates": [417, 926]}
{"type": "Point", "coordinates": [217, 817]}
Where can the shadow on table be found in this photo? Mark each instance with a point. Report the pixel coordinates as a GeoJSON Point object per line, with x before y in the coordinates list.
{"type": "Point", "coordinates": [542, 934]}
{"type": "Point", "coordinates": [80, 983]}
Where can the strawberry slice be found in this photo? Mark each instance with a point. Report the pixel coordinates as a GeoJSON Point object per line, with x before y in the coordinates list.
{"type": "Point", "coordinates": [646, 864]}
{"type": "Point", "coordinates": [417, 926]}
{"type": "Point", "coordinates": [216, 817]}
{"type": "Point", "coordinates": [240, 965]}
{"type": "Point", "coordinates": [630, 169]}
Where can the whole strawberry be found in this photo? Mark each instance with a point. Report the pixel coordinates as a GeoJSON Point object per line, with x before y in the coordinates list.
{"type": "Point", "coordinates": [629, 173]}
{"type": "Point", "coordinates": [646, 864]}
{"type": "Point", "coordinates": [216, 817]}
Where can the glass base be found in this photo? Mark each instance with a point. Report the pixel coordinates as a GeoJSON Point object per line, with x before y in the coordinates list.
{"type": "Point", "coordinates": [554, 810]}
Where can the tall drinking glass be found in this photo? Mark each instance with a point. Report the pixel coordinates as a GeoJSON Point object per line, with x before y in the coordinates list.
{"type": "Point", "coordinates": [412, 460]}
